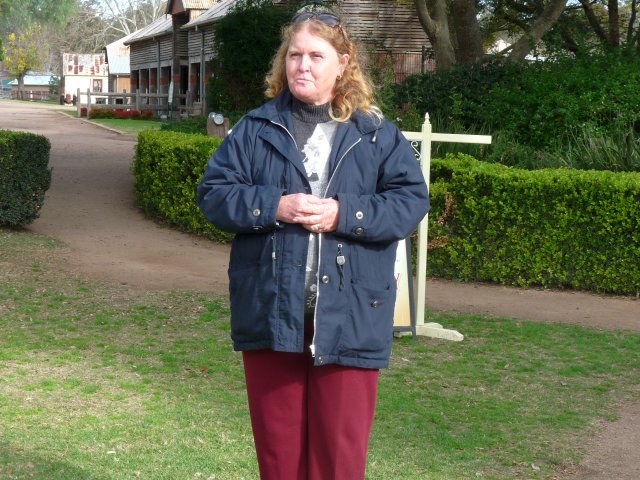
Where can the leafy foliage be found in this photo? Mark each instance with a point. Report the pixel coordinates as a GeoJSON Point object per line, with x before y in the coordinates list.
{"type": "Point", "coordinates": [187, 125]}
{"type": "Point", "coordinates": [253, 28]}
{"type": "Point", "coordinates": [553, 228]}
{"type": "Point", "coordinates": [536, 112]}
{"type": "Point", "coordinates": [24, 176]}
{"type": "Point", "coordinates": [25, 51]}
{"type": "Point", "coordinates": [168, 167]}
{"type": "Point", "coordinates": [122, 114]}
{"type": "Point", "coordinates": [17, 15]}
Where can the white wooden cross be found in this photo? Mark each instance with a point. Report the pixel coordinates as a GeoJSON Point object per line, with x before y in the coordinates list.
{"type": "Point", "coordinates": [425, 137]}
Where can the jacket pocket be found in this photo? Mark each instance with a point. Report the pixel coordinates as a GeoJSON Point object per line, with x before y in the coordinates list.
{"type": "Point", "coordinates": [369, 330]}
{"type": "Point", "coordinates": [253, 294]}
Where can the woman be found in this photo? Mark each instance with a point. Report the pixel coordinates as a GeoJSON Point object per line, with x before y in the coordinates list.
{"type": "Point", "coordinates": [318, 188]}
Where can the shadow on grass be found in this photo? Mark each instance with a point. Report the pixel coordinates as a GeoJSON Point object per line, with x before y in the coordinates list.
{"type": "Point", "coordinates": [17, 463]}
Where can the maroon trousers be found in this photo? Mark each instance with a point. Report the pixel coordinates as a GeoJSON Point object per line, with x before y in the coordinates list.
{"type": "Point", "coordinates": [309, 423]}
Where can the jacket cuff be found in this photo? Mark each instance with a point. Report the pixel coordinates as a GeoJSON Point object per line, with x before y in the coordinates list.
{"type": "Point", "coordinates": [353, 216]}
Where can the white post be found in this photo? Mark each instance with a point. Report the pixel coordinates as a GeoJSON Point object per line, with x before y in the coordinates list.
{"type": "Point", "coordinates": [426, 136]}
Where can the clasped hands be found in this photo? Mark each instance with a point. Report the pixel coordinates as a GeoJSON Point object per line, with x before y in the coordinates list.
{"type": "Point", "coordinates": [318, 215]}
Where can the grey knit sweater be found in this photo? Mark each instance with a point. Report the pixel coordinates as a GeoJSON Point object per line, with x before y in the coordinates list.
{"type": "Point", "coordinates": [314, 131]}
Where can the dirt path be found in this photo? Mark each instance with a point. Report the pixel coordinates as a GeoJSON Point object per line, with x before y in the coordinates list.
{"type": "Point", "coordinates": [90, 207]}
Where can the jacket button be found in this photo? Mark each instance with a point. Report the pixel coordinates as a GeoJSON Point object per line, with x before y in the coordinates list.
{"type": "Point", "coordinates": [359, 215]}
{"type": "Point", "coordinates": [325, 279]}
{"type": "Point", "coordinates": [256, 212]}
{"type": "Point", "coordinates": [375, 303]}
{"type": "Point", "coordinates": [359, 231]}
{"type": "Point", "coordinates": [321, 360]}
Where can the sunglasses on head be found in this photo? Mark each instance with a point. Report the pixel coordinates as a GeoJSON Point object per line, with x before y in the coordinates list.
{"type": "Point", "coordinates": [328, 19]}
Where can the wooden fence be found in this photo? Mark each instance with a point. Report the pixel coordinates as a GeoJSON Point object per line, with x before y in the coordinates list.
{"type": "Point", "coordinates": [155, 102]}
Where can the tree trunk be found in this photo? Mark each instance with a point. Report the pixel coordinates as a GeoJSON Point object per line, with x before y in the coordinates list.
{"type": "Point", "coordinates": [594, 22]}
{"type": "Point", "coordinates": [21, 86]}
{"type": "Point", "coordinates": [632, 21]}
{"type": "Point", "coordinates": [436, 26]}
{"type": "Point", "coordinates": [467, 31]}
{"type": "Point", "coordinates": [568, 42]}
{"type": "Point", "coordinates": [614, 24]}
{"type": "Point", "coordinates": [540, 26]}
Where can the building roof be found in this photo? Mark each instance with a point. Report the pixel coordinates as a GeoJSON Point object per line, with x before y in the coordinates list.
{"type": "Point", "coordinates": [198, 4]}
{"type": "Point", "coordinates": [159, 27]}
{"type": "Point", "coordinates": [191, 4]}
{"type": "Point", "coordinates": [34, 79]}
{"type": "Point", "coordinates": [85, 64]}
{"type": "Point", "coordinates": [118, 56]}
{"type": "Point", "coordinates": [216, 12]}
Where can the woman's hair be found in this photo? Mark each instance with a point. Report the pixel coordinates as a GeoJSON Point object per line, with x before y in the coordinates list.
{"type": "Point", "coordinates": [353, 90]}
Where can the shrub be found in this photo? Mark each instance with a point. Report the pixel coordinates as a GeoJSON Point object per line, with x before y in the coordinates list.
{"type": "Point", "coordinates": [121, 114]}
{"type": "Point", "coordinates": [541, 107]}
{"type": "Point", "coordinates": [168, 167]}
{"type": "Point", "coordinates": [190, 125]}
{"type": "Point", "coordinates": [24, 176]}
{"type": "Point", "coordinates": [101, 113]}
{"type": "Point", "coordinates": [253, 27]}
{"type": "Point", "coordinates": [551, 228]}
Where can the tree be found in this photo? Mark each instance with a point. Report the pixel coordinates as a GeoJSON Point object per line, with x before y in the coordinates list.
{"type": "Point", "coordinates": [24, 52]}
{"type": "Point", "coordinates": [455, 30]}
{"type": "Point", "coordinates": [127, 16]}
{"type": "Point", "coordinates": [16, 15]}
{"type": "Point", "coordinates": [252, 27]}
{"type": "Point", "coordinates": [434, 19]}
{"type": "Point", "coordinates": [547, 16]}
{"type": "Point", "coordinates": [86, 31]}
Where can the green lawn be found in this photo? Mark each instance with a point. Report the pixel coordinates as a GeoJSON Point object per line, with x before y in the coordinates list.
{"type": "Point", "coordinates": [97, 382]}
{"type": "Point", "coordinates": [130, 127]}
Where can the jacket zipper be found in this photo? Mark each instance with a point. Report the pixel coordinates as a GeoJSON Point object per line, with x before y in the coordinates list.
{"type": "Point", "coordinates": [286, 130]}
{"type": "Point", "coordinates": [315, 312]}
{"type": "Point", "coordinates": [274, 255]}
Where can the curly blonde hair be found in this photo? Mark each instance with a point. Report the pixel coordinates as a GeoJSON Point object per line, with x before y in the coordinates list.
{"type": "Point", "coordinates": [353, 90]}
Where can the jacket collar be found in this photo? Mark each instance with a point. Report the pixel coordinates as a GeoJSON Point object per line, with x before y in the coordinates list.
{"type": "Point", "coordinates": [279, 110]}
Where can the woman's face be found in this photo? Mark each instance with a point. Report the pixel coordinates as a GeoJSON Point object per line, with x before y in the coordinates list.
{"type": "Point", "coordinates": [313, 66]}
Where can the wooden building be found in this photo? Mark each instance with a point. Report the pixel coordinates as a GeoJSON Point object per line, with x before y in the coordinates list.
{"type": "Point", "coordinates": [151, 57]}
{"type": "Point", "coordinates": [36, 87]}
{"type": "Point", "coordinates": [390, 33]}
{"type": "Point", "coordinates": [119, 62]}
{"type": "Point", "coordinates": [179, 46]}
{"type": "Point", "coordinates": [159, 52]}
{"type": "Point", "coordinates": [84, 71]}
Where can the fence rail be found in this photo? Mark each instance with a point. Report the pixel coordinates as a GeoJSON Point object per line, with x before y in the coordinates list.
{"type": "Point", "coordinates": [31, 95]}
{"type": "Point", "coordinates": [156, 102]}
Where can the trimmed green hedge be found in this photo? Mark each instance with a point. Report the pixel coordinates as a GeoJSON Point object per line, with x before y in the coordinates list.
{"type": "Point", "coordinates": [552, 228]}
{"type": "Point", "coordinates": [24, 176]}
{"type": "Point", "coordinates": [168, 167]}
{"type": "Point", "coordinates": [555, 228]}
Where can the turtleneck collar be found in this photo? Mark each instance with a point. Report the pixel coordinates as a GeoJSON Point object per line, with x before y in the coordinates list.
{"type": "Point", "coordinates": [310, 113]}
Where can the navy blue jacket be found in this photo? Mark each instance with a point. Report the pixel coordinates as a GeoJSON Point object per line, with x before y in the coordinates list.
{"type": "Point", "coordinates": [382, 194]}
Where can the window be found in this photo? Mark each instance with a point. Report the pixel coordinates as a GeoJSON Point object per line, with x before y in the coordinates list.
{"type": "Point", "coordinates": [97, 85]}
